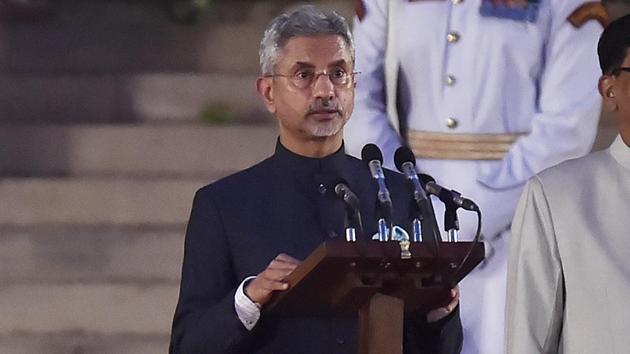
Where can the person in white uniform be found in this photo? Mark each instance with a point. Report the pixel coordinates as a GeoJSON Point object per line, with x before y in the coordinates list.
{"type": "Point", "coordinates": [486, 93]}
{"type": "Point", "coordinates": [569, 265]}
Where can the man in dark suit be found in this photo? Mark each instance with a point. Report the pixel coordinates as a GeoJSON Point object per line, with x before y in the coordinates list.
{"type": "Point", "coordinates": [248, 231]}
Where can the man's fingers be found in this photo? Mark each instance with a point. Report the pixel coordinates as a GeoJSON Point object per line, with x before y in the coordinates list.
{"type": "Point", "coordinates": [281, 265]}
{"type": "Point", "coordinates": [456, 294]}
{"type": "Point", "coordinates": [437, 314]}
{"type": "Point", "coordinates": [271, 279]}
{"type": "Point", "coordinates": [275, 274]}
{"type": "Point", "coordinates": [273, 285]}
{"type": "Point", "coordinates": [265, 284]}
{"type": "Point", "coordinates": [454, 301]}
{"type": "Point", "coordinates": [440, 313]}
{"type": "Point", "coordinates": [283, 257]}
{"type": "Point", "coordinates": [260, 289]}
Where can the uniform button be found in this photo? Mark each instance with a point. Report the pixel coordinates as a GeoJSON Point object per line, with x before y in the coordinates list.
{"type": "Point", "coordinates": [321, 189]}
{"type": "Point", "coordinates": [450, 80]}
{"type": "Point", "coordinates": [332, 234]}
{"type": "Point", "coordinates": [457, 2]}
{"type": "Point", "coordinates": [340, 341]}
{"type": "Point", "coordinates": [452, 123]}
{"type": "Point", "coordinates": [452, 37]}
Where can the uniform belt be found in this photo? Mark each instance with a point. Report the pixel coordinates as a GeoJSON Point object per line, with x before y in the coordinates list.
{"type": "Point", "coordinates": [458, 146]}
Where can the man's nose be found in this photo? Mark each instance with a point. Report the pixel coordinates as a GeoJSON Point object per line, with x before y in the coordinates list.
{"type": "Point", "coordinates": [323, 87]}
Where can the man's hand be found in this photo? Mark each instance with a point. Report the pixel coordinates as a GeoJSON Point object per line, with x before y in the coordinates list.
{"type": "Point", "coordinates": [271, 279]}
{"type": "Point", "coordinates": [440, 313]}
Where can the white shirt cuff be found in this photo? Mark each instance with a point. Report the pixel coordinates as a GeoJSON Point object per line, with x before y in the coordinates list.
{"type": "Point", "coordinates": [246, 310]}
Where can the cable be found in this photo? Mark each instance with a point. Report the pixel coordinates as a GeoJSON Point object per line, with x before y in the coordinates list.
{"type": "Point", "coordinates": [474, 244]}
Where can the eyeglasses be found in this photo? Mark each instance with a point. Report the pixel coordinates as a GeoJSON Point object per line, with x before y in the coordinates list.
{"type": "Point", "coordinates": [615, 72]}
{"type": "Point", "coordinates": [303, 79]}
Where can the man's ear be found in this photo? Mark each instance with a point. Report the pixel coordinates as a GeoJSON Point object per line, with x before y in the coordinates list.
{"type": "Point", "coordinates": [265, 91]}
{"type": "Point", "coordinates": [606, 88]}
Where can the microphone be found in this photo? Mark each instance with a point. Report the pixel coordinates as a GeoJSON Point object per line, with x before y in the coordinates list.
{"type": "Point", "coordinates": [447, 196]}
{"type": "Point", "coordinates": [406, 163]}
{"type": "Point", "coordinates": [351, 199]}
{"type": "Point", "coordinates": [353, 213]}
{"type": "Point", "coordinates": [372, 156]}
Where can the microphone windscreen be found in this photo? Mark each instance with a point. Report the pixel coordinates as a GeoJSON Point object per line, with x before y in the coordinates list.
{"type": "Point", "coordinates": [339, 185]}
{"type": "Point", "coordinates": [345, 193]}
{"type": "Point", "coordinates": [402, 155]}
{"type": "Point", "coordinates": [424, 178]}
{"type": "Point", "coordinates": [371, 152]}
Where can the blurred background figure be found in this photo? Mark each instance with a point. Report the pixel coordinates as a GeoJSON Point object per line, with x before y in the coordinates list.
{"type": "Point", "coordinates": [486, 93]}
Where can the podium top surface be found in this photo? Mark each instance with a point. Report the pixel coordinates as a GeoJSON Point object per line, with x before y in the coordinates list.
{"type": "Point", "coordinates": [337, 278]}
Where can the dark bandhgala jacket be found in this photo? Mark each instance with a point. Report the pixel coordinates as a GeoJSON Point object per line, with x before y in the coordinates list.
{"type": "Point", "coordinates": [285, 204]}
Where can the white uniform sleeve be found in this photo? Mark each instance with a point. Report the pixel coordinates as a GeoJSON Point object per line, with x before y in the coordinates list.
{"type": "Point", "coordinates": [535, 286]}
{"type": "Point", "coordinates": [568, 103]}
{"type": "Point", "coordinates": [369, 122]}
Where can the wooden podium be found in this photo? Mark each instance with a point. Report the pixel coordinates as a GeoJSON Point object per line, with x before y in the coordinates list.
{"type": "Point", "coordinates": [373, 280]}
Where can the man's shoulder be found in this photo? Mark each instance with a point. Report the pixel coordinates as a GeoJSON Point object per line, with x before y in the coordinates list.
{"type": "Point", "coordinates": [238, 182]}
{"type": "Point", "coordinates": [573, 175]}
{"type": "Point", "coordinates": [578, 168]}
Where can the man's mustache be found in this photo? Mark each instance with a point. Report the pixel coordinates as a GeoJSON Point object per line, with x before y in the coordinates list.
{"type": "Point", "coordinates": [322, 106]}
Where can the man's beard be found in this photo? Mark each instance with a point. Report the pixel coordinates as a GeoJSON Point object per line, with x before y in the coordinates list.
{"type": "Point", "coordinates": [323, 129]}
{"type": "Point", "coordinates": [328, 128]}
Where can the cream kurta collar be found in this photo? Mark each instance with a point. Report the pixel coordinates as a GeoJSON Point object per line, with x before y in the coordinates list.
{"type": "Point", "coordinates": [620, 152]}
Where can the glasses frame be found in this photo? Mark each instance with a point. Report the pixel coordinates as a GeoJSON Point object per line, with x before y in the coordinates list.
{"type": "Point", "coordinates": [350, 77]}
{"type": "Point", "coordinates": [618, 70]}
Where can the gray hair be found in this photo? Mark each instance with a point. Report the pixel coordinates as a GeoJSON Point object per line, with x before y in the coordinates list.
{"type": "Point", "coordinates": [303, 21]}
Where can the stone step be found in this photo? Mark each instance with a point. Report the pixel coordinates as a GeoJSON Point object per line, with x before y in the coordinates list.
{"type": "Point", "coordinates": [134, 36]}
{"type": "Point", "coordinates": [132, 150]}
{"type": "Point", "coordinates": [92, 307]}
{"type": "Point", "coordinates": [96, 201]}
{"type": "Point", "coordinates": [76, 253]}
{"type": "Point", "coordinates": [83, 343]}
{"type": "Point", "coordinates": [108, 36]}
{"type": "Point", "coordinates": [154, 97]}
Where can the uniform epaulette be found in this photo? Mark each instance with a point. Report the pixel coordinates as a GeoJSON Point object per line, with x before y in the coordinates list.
{"type": "Point", "coordinates": [359, 9]}
{"type": "Point", "coordinates": [589, 11]}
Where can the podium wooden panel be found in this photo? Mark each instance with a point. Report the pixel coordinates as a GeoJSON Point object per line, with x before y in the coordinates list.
{"type": "Point", "coordinates": [372, 280]}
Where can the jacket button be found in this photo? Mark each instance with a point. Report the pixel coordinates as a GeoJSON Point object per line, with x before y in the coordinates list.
{"type": "Point", "coordinates": [449, 80]}
{"type": "Point", "coordinates": [452, 37]}
{"type": "Point", "coordinates": [452, 123]}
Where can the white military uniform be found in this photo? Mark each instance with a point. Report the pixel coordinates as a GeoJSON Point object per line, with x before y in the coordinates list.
{"type": "Point", "coordinates": [451, 70]}
{"type": "Point", "coordinates": [569, 271]}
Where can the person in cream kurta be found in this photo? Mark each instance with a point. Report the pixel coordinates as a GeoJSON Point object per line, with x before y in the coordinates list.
{"type": "Point", "coordinates": [569, 263]}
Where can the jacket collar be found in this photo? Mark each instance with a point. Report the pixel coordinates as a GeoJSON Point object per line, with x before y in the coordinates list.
{"type": "Point", "coordinates": [307, 166]}
{"type": "Point", "coordinates": [620, 152]}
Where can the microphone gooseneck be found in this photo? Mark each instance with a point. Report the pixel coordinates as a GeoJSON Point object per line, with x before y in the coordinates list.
{"type": "Point", "coordinates": [406, 163]}
{"type": "Point", "coordinates": [373, 158]}
{"type": "Point", "coordinates": [447, 196]}
{"type": "Point", "coordinates": [353, 222]}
